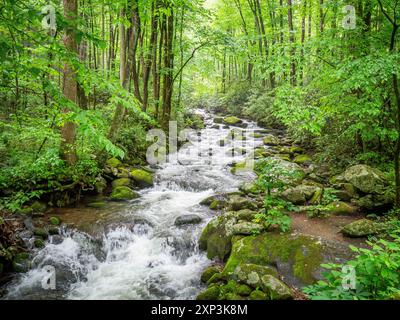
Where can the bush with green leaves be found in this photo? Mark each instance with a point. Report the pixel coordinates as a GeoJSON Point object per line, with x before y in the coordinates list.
{"type": "Point", "coordinates": [377, 274]}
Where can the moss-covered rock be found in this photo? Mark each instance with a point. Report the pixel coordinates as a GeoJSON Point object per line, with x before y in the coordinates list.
{"type": "Point", "coordinates": [217, 278]}
{"type": "Point", "coordinates": [216, 237]}
{"type": "Point", "coordinates": [302, 159]}
{"type": "Point", "coordinates": [242, 167]}
{"type": "Point", "coordinates": [216, 202]}
{"type": "Point", "coordinates": [21, 262]}
{"type": "Point", "coordinates": [366, 178]}
{"type": "Point", "coordinates": [317, 197]}
{"type": "Point", "coordinates": [186, 219]}
{"type": "Point", "coordinates": [249, 188]}
{"type": "Point", "coordinates": [123, 193]}
{"type": "Point", "coordinates": [299, 194]}
{"type": "Point", "coordinates": [298, 257]}
{"type": "Point", "coordinates": [258, 295]}
{"type": "Point", "coordinates": [212, 293]}
{"type": "Point", "coordinates": [232, 120]}
{"type": "Point", "coordinates": [340, 208]}
{"type": "Point", "coordinates": [270, 140]}
{"type": "Point", "coordinates": [142, 177]}
{"type": "Point", "coordinates": [219, 120]}
{"type": "Point", "coordinates": [275, 289]}
{"type": "Point", "coordinates": [237, 203]}
{"type": "Point", "coordinates": [363, 228]}
{"type": "Point", "coordinates": [243, 215]}
{"type": "Point", "coordinates": [251, 274]}
{"type": "Point", "coordinates": [292, 173]}
{"type": "Point", "coordinates": [55, 221]}
{"type": "Point", "coordinates": [41, 232]}
{"type": "Point", "coordinates": [122, 182]}
{"type": "Point", "coordinates": [246, 228]}
{"type": "Point", "coordinates": [39, 243]}
{"type": "Point", "coordinates": [209, 272]}
{"type": "Point", "coordinates": [113, 163]}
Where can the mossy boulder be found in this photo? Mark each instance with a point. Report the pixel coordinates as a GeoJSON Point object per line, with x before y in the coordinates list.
{"type": "Point", "coordinates": [246, 228]}
{"type": "Point", "coordinates": [55, 221]}
{"type": "Point", "coordinates": [113, 163]}
{"type": "Point", "coordinates": [216, 237]}
{"type": "Point", "coordinates": [123, 193]}
{"type": "Point", "coordinates": [366, 179]}
{"type": "Point", "coordinates": [244, 215]}
{"type": "Point", "coordinates": [249, 188]}
{"type": "Point", "coordinates": [270, 140]}
{"type": "Point", "coordinates": [234, 291]}
{"type": "Point", "coordinates": [340, 208]}
{"type": "Point", "coordinates": [241, 167]}
{"type": "Point", "coordinates": [41, 232]}
{"type": "Point", "coordinates": [275, 289]}
{"type": "Point", "coordinates": [258, 295]}
{"type": "Point", "coordinates": [211, 293]}
{"type": "Point", "coordinates": [317, 197]}
{"type": "Point", "coordinates": [299, 194]}
{"type": "Point", "coordinates": [21, 262]}
{"type": "Point", "coordinates": [216, 202]}
{"type": "Point", "coordinates": [292, 173]}
{"type": "Point", "coordinates": [209, 272]}
{"type": "Point", "coordinates": [261, 153]}
{"type": "Point", "coordinates": [302, 159]}
{"type": "Point", "coordinates": [237, 203]}
{"type": "Point", "coordinates": [376, 201]}
{"type": "Point", "coordinates": [39, 243]}
{"type": "Point", "coordinates": [142, 177]}
{"type": "Point", "coordinates": [363, 228]}
{"type": "Point", "coordinates": [100, 185]}
{"type": "Point", "coordinates": [297, 257]}
{"type": "Point", "coordinates": [232, 120]}
{"type": "Point", "coordinates": [251, 274]}
{"type": "Point", "coordinates": [122, 182]}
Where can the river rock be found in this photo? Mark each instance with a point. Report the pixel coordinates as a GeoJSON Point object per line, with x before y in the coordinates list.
{"type": "Point", "coordinates": [275, 289]}
{"type": "Point", "coordinates": [249, 188]}
{"type": "Point", "coordinates": [251, 274]}
{"type": "Point", "coordinates": [363, 228]}
{"type": "Point", "coordinates": [246, 228]}
{"type": "Point", "coordinates": [212, 293]}
{"type": "Point", "coordinates": [219, 120]}
{"type": "Point", "coordinates": [187, 219]}
{"type": "Point", "coordinates": [366, 179]}
{"type": "Point", "coordinates": [142, 177]}
{"type": "Point", "coordinates": [340, 208]}
{"type": "Point", "coordinates": [300, 194]}
{"type": "Point", "coordinates": [232, 120]}
{"type": "Point", "coordinates": [302, 159]}
{"type": "Point", "coordinates": [270, 140]}
{"type": "Point", "coordinates": [113, 163]}
{"type": "Point", "coordinates": [121, 182]}
{"type": "Point", "coordinates": [296, 257]}
{"type": "Point", "coordinates": [237, 203]}
{"type": "Point", "coordinates": [209, 272]}
{"type": "Point", "coordinates": [123, 193]}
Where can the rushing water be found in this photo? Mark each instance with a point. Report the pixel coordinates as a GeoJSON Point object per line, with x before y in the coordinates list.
{"type": "Point", "coordinates": [144, 256]}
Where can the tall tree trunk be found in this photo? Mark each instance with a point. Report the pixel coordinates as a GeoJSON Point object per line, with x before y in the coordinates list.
{"type": "Point", "coordinates": [70, 87]}
{"type": "Point", "coordinates": [292, 47]}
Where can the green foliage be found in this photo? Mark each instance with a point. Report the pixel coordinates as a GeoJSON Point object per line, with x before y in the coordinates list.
{"type": "Point", "coordinates": [274, 213]}
{"type": "Point", "coordinates": [376, 270]}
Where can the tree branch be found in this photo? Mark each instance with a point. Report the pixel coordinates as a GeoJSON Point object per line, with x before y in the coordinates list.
{"type": "Point", "coordinates": [187, 61]}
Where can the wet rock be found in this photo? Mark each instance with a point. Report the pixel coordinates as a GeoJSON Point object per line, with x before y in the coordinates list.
{"type": "Point", "coordinates": [121, 182]}
{"type": "Point", "coordinates": [232, 120]}
{"type": "Point", "coordinates": [270, 140]}
{"type": "Point", "coordinates": [187, 219]}
{"type": "Point", "coordinates": [209, 272]}
{"type": "Point", "coordinates": [142, 177]}
{"type": "Point", "coordinates": [212, 293]}
{"type": "Point", "coordinates": [38, 206]}
{"type": "Point", "coordinates": [56, 239]}
{"type": "Point", "coordinates": [249, 188]}
{"type": "Point", "coordinates": [39, 243]}
{"type": "Point", "coordinates": [216, 237]}
{"type": "Point", "coordinates": [242, 167]}
{"type": "Point", "coordinates": [21, 262]}
{"type": "Point", "coordinates": [251, 274]}
{"type": "Point", "coordinates": [123, 193]}
{"type": "Point", "coordinates": [340, 208]}
{"type": "Point", "coordinates": [366, 179]}
{"type": "Point", "coordinates": [40, 232]}
{"type": "Point", "coordinates": [275, 289]}
{"type": "Point", "coordinates": [54, 231]}
{"type": "Point", "coordinates": [216, 202]}
{"type": "Point", "coordinates": [363, 228]}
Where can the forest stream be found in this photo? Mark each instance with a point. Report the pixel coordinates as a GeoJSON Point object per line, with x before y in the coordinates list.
{"type": "Point", "coordinates": [133, 250]}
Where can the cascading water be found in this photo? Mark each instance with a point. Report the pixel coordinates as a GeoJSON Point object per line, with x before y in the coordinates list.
{"type": "Point", "coordinates": [144, 256]}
